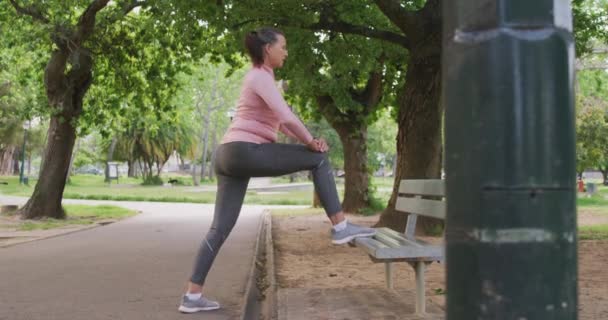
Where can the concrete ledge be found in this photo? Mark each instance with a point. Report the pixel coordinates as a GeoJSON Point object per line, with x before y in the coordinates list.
{"type": "Point", "coordinates": [254, 290]}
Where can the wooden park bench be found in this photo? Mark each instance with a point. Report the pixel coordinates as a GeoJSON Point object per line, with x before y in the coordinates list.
{"type": "Point", "coordinates": [389, 246]}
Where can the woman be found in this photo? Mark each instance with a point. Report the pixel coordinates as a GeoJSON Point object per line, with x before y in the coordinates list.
{"type": "Point", "coordinates": [248, 149]}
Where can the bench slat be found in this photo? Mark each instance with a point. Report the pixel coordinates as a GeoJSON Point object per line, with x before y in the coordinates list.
{"type": "Point", "coordinates": [396, 236]}
{"type": "Point", "coordinates": [413, 241]}
{"type": "Point", "coordinates": [389, 241]}
{"type": "Point", "coordinates": [426, 187]}
{"type": "Point", "coordinates": [423, 207]}
{"type": "Point", "coordinates": [370, 245]}
{"type": "Point", "coordinates": [430, 253]}
{"type": "Point", "coordinates": [375, 249]}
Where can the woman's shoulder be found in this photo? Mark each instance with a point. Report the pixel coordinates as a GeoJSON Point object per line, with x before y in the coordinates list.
{"type": "Point", "coordinates": [257, 74]}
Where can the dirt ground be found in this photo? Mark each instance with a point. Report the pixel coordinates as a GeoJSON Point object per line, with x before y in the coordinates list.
{"type": "Point", "coordinates": [305, 258]}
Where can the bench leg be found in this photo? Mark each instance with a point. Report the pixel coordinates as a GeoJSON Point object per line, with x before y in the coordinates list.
{"type": "Point", "coordinates": [389, 274]}
{"type": "Point", "coordinates": [420, 294]}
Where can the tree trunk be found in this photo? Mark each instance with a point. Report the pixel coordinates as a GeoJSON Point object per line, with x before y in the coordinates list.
{"type": "Point", "coordinates": [46, 199]}
{"type": "Point", "coordinates": [73, 155]}
{"type": "Point", "coordinates": [395, 165]}
{"type": "Point", "coordinates": [205, 144]}
{"type": "Point", "coordinates": [65, 92]}
{"type": "Point", "coordinates": [131, 168]}
{"type": "Point", "coordinates": [29, 164]}
{"type": "Point", "coordinates": [182, 163]}
{"type": "Point", "coordinates": [213, 147]}
{"type": "Point", "coordinates": [356, 175]}
{"type": "Point", "coordinates": [353, 135]}
{"type": "Point", "coordinates": [16, 159]}
{"type": "Point", "coordinates": [419, 120]}
{"type": "Point", "coordinates": [7, 156]}
{"type": "Point", "coordinates": [604, 172]}
{"type": "Point", "coordinates": [109, 158]}
{"type": "Point", "coordinates": [195, 180]}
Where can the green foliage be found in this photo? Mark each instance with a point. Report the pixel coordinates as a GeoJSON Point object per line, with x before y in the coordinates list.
{"type": "Point", "coordinates": [592, 121]}
{"type": "Point", "coordinates": [593, 83]}
{"type": "Point", "coordinates": [590, 21]}
{"type": "Point", "coordinates": [382, 141]}
{"type": "Point", "coordinates": [376, 205]}
{"type": "Point", "coordinates": [152, 181]}
{"type": "Point", "coordinates": [88, 152]}
{"type": "Point", "coordinates": [209, 89]}
{"type": "Point", "coordinates": [592, 137]}
{"type": "Point", "coordinates": [320, 128]}
{"type": "Point", "coordinates": [21, 91]}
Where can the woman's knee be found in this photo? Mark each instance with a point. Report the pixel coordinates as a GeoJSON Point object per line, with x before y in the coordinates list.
{"type": "Point", "coordinates": [322, 161]}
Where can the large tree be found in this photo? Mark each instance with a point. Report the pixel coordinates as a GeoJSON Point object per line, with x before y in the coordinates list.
{"type": "Point", "coordinates": [90, 41]}
{"type": "Point", "coordinates": [419, 116]}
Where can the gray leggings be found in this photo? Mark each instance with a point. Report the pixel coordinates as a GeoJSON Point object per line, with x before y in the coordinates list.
{"type": "Point", "coordinates": [235, 163]}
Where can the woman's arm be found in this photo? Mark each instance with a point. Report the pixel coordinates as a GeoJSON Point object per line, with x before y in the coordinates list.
{"type": "Point", "coordinates": [287, 132]}
{"type": "Point", "coordinates": [263, 85]}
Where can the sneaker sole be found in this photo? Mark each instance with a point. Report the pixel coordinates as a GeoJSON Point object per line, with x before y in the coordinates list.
{"type": "Point", "coordinates": [193, 310]}
{"type": "Point", "coordinates": [351, 238]}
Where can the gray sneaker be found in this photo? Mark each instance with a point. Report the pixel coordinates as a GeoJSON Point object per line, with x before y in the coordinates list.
{"type": "Point", "coordinates": [351, 232]}
{"type": "Point", "coordinates": [202, 304]}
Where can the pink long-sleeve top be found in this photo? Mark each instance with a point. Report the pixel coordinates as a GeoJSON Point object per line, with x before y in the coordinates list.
{"type": "Point", "coordinates": [262, 111]}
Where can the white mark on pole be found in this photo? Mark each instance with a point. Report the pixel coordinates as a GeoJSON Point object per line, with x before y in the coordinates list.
{"type": "Point", "coordinates": [512, 235]}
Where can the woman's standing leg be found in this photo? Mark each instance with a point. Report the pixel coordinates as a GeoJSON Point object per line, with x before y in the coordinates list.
{"type": "Point", "coordinates": [229, 200]}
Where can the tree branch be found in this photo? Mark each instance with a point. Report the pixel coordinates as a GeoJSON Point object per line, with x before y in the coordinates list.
{"type": "Point", "coordinates": [328, 21]}
{"type": "Point", "coordinates": [344, 27]}
{"type": "Point", "coordinates": [327, 107]}
{"type": "Point", "coordinates": [399, 16]}
{"type": "Point", "coordinates": [131, 6]}
{"type": "Point", "coordinates": [373, 90]}
{"type": "Point", "coordinates": [238, 25]}
{"type": "Point", "coordinates": [127, 7]}
{"type": "Point", "coordinates": [86, 22]}
{"type": "Point", "coordinates": [31, 11]}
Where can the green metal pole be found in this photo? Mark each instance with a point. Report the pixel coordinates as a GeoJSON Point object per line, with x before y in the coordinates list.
{"type": "Point", "coordinates": [22, 157]}
{"type": "Point", "coordinates": [511, 247]}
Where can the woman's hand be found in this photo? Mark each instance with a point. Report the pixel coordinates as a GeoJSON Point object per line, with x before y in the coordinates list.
{"type": "Point", "coordinates": [318, 145]}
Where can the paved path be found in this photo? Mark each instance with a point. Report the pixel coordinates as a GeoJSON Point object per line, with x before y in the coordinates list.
{"type": "Point", "coordinates": [133, 269]}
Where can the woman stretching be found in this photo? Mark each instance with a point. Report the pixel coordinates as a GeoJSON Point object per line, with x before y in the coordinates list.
{"type": "Point", "coordinates": [248, 149]}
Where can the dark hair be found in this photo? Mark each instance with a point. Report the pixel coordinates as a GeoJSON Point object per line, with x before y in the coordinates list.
{"type": "Point", "coordinates": [257, 39]}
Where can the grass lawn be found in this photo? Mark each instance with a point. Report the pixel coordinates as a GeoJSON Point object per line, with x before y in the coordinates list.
{"type": "Point", "coordinates": [599, 232]}
{"type": "Point", "coordinates": [77, 215]}
{"type": "Point", "coordinates": [94, 188]}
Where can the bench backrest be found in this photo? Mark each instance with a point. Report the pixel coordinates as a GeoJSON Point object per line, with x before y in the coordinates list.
{"type": "Point", "coordinates": [410, 201]}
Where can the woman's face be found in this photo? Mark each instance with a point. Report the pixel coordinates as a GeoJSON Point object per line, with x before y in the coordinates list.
{"type": "Point", "coordinates": [276, 53]}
